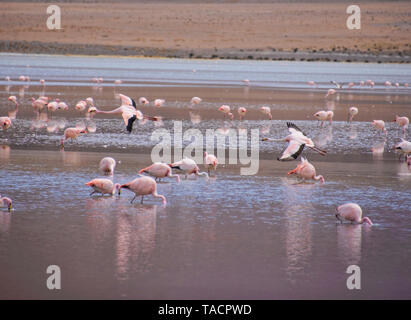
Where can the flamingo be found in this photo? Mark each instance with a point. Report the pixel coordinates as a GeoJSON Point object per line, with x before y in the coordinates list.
{"type": "Point", "coordinates": [312, 83]}
{"type": "Point", "coordinates": [211, 162]}
{"type": "Point", "coordinates": [71, 133]}
{"type": "Point", "coordinates": [193, 101]}
{"type": "Point", "coordinates": [14, 100]}
{"type": "Point", "coordinates": [226, 110]}
{"type": "Point", "coordinates": [379, 125]}
{"type": "Point", "coordinates": [387, 84]}
{"type": "Point", "coordinates": [409, 161]}
{"type": "Point", "coordinates": [246, 82]}
{"type": "Point", "coordinates": [128, 110]}
{"type": "Point", "coordinates": [330, 92]}
{"type": "Point", "coordinates": [81, 105]}
{"type": "Point", "coordinates": [337, 85]}
{"type": "Point", "coordinates": [143, 186]}
{"type": "Point", "coordinates": [241, 112]}
{"type": "Point", "coordinates": [351, 212]}
{"type": "Point", "coordinates": [159, 102]}
{"type": "Point", "coordinates": [306, 171]}
{"type": "Point", "coordinates": [297, 140]}
{"type": "Point", "coordinates": [107, 165]}
{"type": "Point", "coordinates": [267, 111]}
{"type": "Point", "coordinates": [39, 103]}
{"type": "Point", "coordinates": [103, 186]}
{"type": "Point", "coordinates": [403, 147]}
{"type": "Point", "coordinates": [324, 116]}
{"type": "Point", "coordinates": [159, 170]}
{"type": "Point", "coordinates": [143, 101]}
{"type": "Point", "coordinates": [118, 81]}
{"type": "Point", "coordinates": [188, 166]}
{"type": "Point", "coordinates": [5, 122]}
{"type": "Point", "coordinates": [351, 113]}
{"type": "Point", "coordinates": [7, 78]}
{"type": "Point", "coordinates": [5, 201]}
{"type": "Point", "coordinates": [42, 82]}
{"type": "Point", "coordinates": [402, 122]}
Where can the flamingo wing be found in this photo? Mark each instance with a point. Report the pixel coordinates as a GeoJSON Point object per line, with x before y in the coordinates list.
{"type": "Point", "coordinates": [127, 101]}
{"type": "Point", "coordinates": [293, 128]}
{"type": "Point", "coordinates": [292, 151]}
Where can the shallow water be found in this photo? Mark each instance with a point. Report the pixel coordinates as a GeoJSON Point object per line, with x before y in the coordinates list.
{"type": "Point", "coordinates": [233, 236]}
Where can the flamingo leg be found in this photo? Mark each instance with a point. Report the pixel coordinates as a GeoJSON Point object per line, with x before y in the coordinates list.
{"type": "Point", "coordinates": [133, 199]}
{"type": "Point", "coordinates": [93, 192]}
{"type": "Point", "coordinates": [142, 197]}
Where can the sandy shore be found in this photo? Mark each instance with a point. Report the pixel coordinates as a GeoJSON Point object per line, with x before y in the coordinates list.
{"type": "Point", "coordinates": [280, 31]}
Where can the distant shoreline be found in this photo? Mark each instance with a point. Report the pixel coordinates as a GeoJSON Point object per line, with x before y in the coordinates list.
{"type": "Point", "coordinates": [37, 47]}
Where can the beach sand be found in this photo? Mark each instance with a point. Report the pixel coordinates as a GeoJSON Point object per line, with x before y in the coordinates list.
{"type": "Point", "coordinates": [292, 31]}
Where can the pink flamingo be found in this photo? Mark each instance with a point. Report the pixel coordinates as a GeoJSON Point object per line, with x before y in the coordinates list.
{"type": "Point", "coordinates": [5, 201]}
{"type": "Point", "coordinates": [297, 140]}
{"type": "Point", "coordinates": [5, 122]}
{"type": "Point", "coordinates": [330, 92]}
{"type": "Point", "coordinates": [143, 101]}
{"type": "Point", "coordinates": [267, 111]}
{"type": "Point", "coordinates": [159, 170]}
{"type": "Point", "coordinates": [128, 112]}
{"type": "Point", "coordinates": [159, 102]}
{"type": "Point", "coordinates": [351, 212]}
{"type": "Point", "coordinates": [81, 105]}
{"type": "Point", "coordinates": [211, 162]}
{"type": "Point", "coordinates": [103, 186]}
{"type": "Point", "coordinates": [324, 116]}
{"type": "Point", "coordinates": [312, 83]}
{"type": "Point", "coordinates": [107, 165]}
{"type": "Point", "coordinates": [143, 186]}
{"type": "Point", "coordinates": [188, 166]}
{"type": "Point", "coordinates": [403, 122]}
{"type": "Point", "coordinates": [118, 81]}
{"type": "Point", "coordinates": [13, 99]}
{"type": "Point", "coordinates": [193, 101]}
{"type": "Point", "coordinates": [379, 125]}
{"type": "Point", "coordinates": [71, 133]}
{"type": "Point", "coordinates": [306, 171]}
{"type": "Point", "coordinates": [403, 147]}
{"type": "Point", "coordinates": [226, 110]}
{"type": "Point", "coordinates": [241, 112]}
{"type": "Point", "coordinates": [351, 113]}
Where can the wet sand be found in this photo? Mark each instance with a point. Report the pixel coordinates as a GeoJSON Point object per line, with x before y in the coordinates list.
{"type": "Point", "coordinates": [211, 30]}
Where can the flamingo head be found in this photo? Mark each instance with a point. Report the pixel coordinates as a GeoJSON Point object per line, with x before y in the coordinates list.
{"type": "Point", "coordinates": [13, 99]}
{"type": "Point", "coordinates": [117, 188]}
{"type": "Point", "coordinates": [9, 203]}
{"type": "Point", "coordinates": [367, 220]}
{"type": "Point", "coordinates": [92, 110]}
{"type": "Point", "coordinates": [231, 115]}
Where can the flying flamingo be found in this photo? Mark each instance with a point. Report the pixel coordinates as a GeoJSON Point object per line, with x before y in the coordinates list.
{"type": "Point", "coordinates": [351, 113]}
{"type": "Point", "coordinates": [351, 212]}
{"type": "Point", "coordinates": [297, 140]}
{"type": "Point", "coordinates": [143, 186]}
{"type": "Point", "coordinates": [403, 147]}
{"type": "Point", "coordinates": [103, 186]}
{"type": "Point", "coordinates": [402, 122]}
{"type": "Point", "coordinates": [241, 112]}
{"type": "Point", "coordinates": [226, 110]}
{"type": "Point", "coordinates": [324, 116]}
{"type": "Point", "coordinates": [71, 133]}
{"type": "Point", "coordinates": [210, 161]}
{"type": "Point", "coordinates": [160, 170]}
{"type": "Point", "coordinates": [306, 171]}
{"type": "Point", "coordinates": [188, 166]}
{"type": "Point", "coordinates": [107, 165]}
{"type": "Point", "coordinates": [379, 125]}
{"type": "Point", "coordinates": [267, 111]}
{"type": "Point", "coordinates": [128, 110]}
{"type": "Point", "coordinates": [5, 201]}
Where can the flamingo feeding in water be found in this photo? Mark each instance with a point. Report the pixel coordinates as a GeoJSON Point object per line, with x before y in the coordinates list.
{"type": "Point", "coordinates": [403, 122]}
{"type": "Point", "coordinates": [143, 186]}
{"type": "Point", "coordinates": [160, 170]}
{"type": "Point", "coordinates": [330, 92]}
{"type": "Point", "coordinates": [351, 212]}
{"type": "Point", "coordinates": [306, 171]}
{"type": "Point", "coordinates": [297, 140]}
{"type": "Point", "coordinates": [210, 162]}
{"type": "Point", "coordinates": [103, 186]}
{"type": "Point", "coordinates": [379, 125]}
{"type": "Point", "coordinates": [351, 113]}
{"type": "Point", "coordinates": [107, 165]}
{"type": "Point", "coordinates": [71, 133]}
{"type": "Point", "coordinates": [267, 111]}
{"type": "Point", "coordinates": [188, 166]}
{"type": "Point", "coordinates": [241, 112]}
{"type": "Point", "coordinates": [324, 116]}
{"type": "Point", "coordinates": [5, 201]}
{"type": "Point", "coordinates": [226, 110]}
{"type": "Point", "coordinates": [403, 147]}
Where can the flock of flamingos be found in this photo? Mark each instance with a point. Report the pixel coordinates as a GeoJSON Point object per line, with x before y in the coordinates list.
{"type": "Point", "coordinates": [145, 184]}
